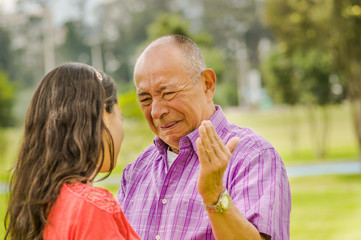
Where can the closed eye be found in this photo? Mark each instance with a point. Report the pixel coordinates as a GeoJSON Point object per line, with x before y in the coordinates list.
{"type": "Point", "coordinates": [169, 95]}
{"type": "Point", "coordinates": [145, 101]}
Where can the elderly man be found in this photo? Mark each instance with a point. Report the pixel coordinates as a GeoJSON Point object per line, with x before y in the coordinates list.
{"type": "Point", "coordinates": [204, 177]}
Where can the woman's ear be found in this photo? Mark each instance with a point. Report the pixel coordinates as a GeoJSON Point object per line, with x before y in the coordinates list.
{"type": "Point", "coordinates": [106, 116]}
{"type": "Point", "coordinates": [209, 80]}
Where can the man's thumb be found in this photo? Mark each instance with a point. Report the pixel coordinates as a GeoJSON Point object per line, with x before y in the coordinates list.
{"type": "Point", "coordinates": [232, 143]}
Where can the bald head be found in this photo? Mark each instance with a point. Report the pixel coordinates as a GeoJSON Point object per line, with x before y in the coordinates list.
{"type": "Point", "coordinates": [193, 62]}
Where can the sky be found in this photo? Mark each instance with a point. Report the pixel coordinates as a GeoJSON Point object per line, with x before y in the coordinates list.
{"type": "Point", "coordinates": [62, 9]}
{"type": "Point", "coordinates": [7, 6]}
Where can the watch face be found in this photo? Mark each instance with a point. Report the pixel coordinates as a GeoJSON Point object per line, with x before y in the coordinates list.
{"type": "Point", "coordinates": [225, 201]}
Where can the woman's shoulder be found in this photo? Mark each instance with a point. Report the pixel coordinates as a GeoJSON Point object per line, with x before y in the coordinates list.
{"type": "Point", "coordinates": [96, 196]}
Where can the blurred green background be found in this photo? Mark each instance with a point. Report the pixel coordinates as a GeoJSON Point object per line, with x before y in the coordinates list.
{"type": "Point", "coordinates": [289, 69]}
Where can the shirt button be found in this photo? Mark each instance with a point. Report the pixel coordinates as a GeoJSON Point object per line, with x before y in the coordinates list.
{"type": "Point", "coordinates": [157, 237]}
{"type": "Point", "coordinates": [164, 201]}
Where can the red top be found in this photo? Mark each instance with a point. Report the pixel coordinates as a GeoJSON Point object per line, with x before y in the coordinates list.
{"type": "Point", "coordinates": [82, 212]}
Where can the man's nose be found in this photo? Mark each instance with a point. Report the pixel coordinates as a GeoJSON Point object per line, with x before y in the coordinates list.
{"type": "Point", "coordinates": [159, 108]}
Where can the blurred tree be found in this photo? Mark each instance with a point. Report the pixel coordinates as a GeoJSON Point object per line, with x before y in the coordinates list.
{"type": "Point", "coordinates": [5, 52]}
{"type": "Point", "coordinates": [283, 86]}
{"type": "Point", "coordinates": [235, 21]}
{"type": "Point", "coordinates": [7, 98]}
{"type": "Point", "coordinates": [166, 24]}
{"type": "Point", "coordinates": [122, 28]}
{"type": "Point", "coordinates": [26, 31]}
{"type": "Point", "coordinates": [314, 70]}
{"type": "Point", "coordinates": [169, 23]}
{"type": "Point", "coordinates": [303, 78]}
{"type": "Point", "coordinates": [345, 43]}
{"type": "Point", "coordinates": [74, 47]}
{"type": "Point", "coordinates": [238, 30]}
{"type": "Point", "coordinates": [333, 27]}
{"type": "Point", "coordinates": [280, 79]}
{"type": "Point", "coordinates": [128, 103]}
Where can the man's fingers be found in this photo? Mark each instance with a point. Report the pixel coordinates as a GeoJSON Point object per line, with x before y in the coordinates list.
{"type": "Point", "coordinates": [202, 155]}
{"type": "Point", "coordinates": [215, 139]}
{"type": "Point", "coordinates": [206, 140]}
{"type": "Point", "coordinates": [232, 143]}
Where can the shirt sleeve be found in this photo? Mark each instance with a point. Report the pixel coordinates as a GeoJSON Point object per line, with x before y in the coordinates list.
{"type": "Point", "coordinates": [123, 185]}
{"type": "Point", "coordinates": [260, 189]}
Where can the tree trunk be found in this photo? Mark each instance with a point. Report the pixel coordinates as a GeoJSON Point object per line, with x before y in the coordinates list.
{"type": "Point", "coordinates": [325, 124]}
{"type": "Point", "coordinates": [319, 126]}
{"type": "Point", "coordinates": [354, 95]}
{"type": "Point", "coordinates": [294, 129]}
{"type": "Point", "coordinates": [356, 117]}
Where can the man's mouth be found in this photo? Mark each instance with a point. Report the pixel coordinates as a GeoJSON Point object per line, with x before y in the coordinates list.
{"type": "Point", "coordinates": [169, 125]}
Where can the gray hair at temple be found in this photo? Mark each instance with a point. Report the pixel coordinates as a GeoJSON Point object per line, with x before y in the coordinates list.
{"type": "Point", "coordinates": [194, 62]}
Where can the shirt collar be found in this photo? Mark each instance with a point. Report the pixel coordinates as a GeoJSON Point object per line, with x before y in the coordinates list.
{"type": "Point", "coordinates": [218, 120]}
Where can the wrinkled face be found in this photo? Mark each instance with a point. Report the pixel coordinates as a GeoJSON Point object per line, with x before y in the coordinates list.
{"type": "Point", "coordinates": [172, 104]}
{"type": "Point", "coordinates": [114, 123]}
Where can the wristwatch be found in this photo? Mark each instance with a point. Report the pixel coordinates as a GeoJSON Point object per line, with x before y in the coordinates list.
{"type": "Point", "coordinates": [222, 204]}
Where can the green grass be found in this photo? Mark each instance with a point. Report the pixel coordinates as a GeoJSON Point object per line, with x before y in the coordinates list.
{"type": "Point", "coordinates": [137, 137]}
{"type": "Point", "coordinates": [326, 207]}
{"type": "Point", "coordinates": [3, 204]}
{"type": "Point", "coordinates": [290, 133]}
{"type": "Point", "coordinates": [9, 145]}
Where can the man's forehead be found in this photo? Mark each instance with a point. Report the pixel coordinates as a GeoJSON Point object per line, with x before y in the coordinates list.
{"type": "Point", "coordinates": [159, 72]}
{"type": "Point", "coordinates": [161, 42]}
{"type": "Point", "coordinates": [146, 86]}
{"type": "Point", "coordinates": [156, 49]}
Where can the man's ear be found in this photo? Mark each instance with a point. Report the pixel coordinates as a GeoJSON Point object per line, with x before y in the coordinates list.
{"type": "Point", "coordinates": [209, 80]}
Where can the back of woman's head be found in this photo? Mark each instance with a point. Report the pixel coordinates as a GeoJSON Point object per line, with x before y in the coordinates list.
{"type": "Point", "coordinates": [62, 143]}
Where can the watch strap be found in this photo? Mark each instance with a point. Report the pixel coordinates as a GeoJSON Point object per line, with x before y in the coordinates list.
{"type": "Point", "coordinates": [218, 206]}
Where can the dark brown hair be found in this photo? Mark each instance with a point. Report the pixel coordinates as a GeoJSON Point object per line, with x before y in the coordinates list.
{"type": "Point", "coordinates": [62, 143]}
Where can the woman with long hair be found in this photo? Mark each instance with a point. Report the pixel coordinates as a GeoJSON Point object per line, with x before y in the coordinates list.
{"type": "Point", "coordinates": [73, 131]}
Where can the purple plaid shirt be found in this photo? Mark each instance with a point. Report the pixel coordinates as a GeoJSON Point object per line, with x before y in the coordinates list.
{"type": "Point", "coordinates": [162, 204]}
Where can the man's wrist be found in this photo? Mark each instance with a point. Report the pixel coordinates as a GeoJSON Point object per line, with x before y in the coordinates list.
{"type": "Point", "coordinates": [211, 199]}
{"type": "Point", "coordinates": [222, 204]}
